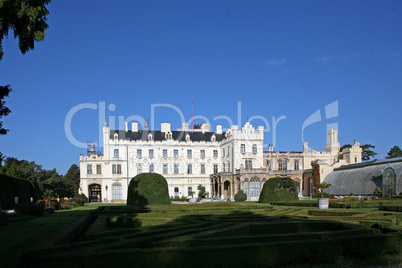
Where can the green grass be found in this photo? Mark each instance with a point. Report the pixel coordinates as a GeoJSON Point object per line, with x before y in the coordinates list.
{"type": "Point", "coordinates": [24, 232]}
{"type": "Point", "coordinates": [183, 222]}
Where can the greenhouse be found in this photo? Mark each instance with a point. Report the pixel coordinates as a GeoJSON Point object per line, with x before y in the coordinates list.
{"type": "Point", "coordinates": [364, 178]}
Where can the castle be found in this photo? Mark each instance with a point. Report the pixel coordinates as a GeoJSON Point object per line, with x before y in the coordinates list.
{"type": "Point", "coordinates": [222, 162]}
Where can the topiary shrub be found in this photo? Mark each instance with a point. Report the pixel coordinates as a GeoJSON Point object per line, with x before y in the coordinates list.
{"type": "Point", "coordinates": [82, 196]}
{"type": "Point", "coordinates": [278, 189]}
{"type": "Point", "coordinates": [148, 189]}
{"type": "Point", "coordinates": [240, 196]}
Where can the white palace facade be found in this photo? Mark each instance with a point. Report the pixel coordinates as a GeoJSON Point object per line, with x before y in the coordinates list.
{"type": "Point", "coordinates": [222, 162]}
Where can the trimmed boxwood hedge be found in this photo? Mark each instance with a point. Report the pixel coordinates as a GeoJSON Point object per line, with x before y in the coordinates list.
{"type": "Point", "coordinates": [390, 208]}
{"type": "Point", "coordinates": [148, 189]}
{"type": "Point", "coordinates": [23, 189]}
{"type": "Point", "coordinates": [278, 189]}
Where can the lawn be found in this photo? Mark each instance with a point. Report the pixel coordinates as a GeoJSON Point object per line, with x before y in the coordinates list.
{"type": "Point", "coordinates": [178, 234]}
{"type": "Point", "coordinates": [24, 232]}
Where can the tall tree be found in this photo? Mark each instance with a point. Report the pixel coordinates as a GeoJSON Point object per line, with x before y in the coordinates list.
{"type": "Point", "coordinates": [366, 152]}
{"type": "Point", "coordinates": [4, 111]}
{"type": "Point", "coordinates": [27, 19]}
{"type": "Point", "coordinates": [72, 180]}
{"type": "Point", "coordinates": [394, 152]}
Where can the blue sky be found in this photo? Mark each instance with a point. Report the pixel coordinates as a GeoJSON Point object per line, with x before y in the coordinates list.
{"type": "Point", "coordinates": [278, 58]}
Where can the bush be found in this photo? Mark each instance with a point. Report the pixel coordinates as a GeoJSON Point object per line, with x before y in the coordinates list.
{"type": "Point", "coordinates": [81, 196]}
{"type": "Point", "coordinates": [30, 209]}
{"type": "Point", "coordinates": [278, 189]}
{"type": "Point", "coordinates": [148, 189]}
{"type": "Point", "coordinates": [240, 196]}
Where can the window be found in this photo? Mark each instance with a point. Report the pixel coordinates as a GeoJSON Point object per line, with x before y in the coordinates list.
{"type": "Point", "coordinates": [151, 153]}
{"type": "Point", "coordinates": [249, 164]}
{"type": "Point", "coordinates": [189, 153]}
{"type": "Point", "coordinates": [190, 169]}
{"type": "Point", "coordinates": [202, 169]}
{"type": "Point", "coordinates": [176, 169]}
{"type": "Point", "coordinates": [215, 169]}
{"type": "Point", "coordinates": [151, 168]}
{"type": "Point", "coordinates": [296, 164]}
{"type": "Point", "coordinates": [269, 164]}
{"type": "Point", "coordinates": [139, 153]}
{"type": "Point", "coordinates": [116, 169]}
{"type": "Point", "coordinates": [139, 169]}
{"type": "Point", "coordinates": [282, 164]}
{"type": "Point", "coordinates": [246, 187]}
{"type": "Point", "coordinates": [98, 169]}
{"type": "Point", "coordinates": [242, 148]}
{"type": "Point", "coordinates": [190, 191]}
{"type": "Point", "coordinates": [89, 169]}
{"type": "Point", "coordinates": [202, 153]}
{"type": "Point", "coordinates": [176, 153]}
{"type": "Point", "coordinates": [165, 169]}
{"type": "Point", "coordinates": [116, 152]}
{"type": "Point", "coordinates": [355, 159]}
{"type": "Point", "coordinates": [223, 152]}
{"type": "Point", "coordinates": [116, 192]}
{"type": "Point", "coordinates": [254, 148]}
{"type": "Point", "coordinates": [176, 191]}
{"type": "Point", "coordinates": [215, 153]}
{"type": "Point", "coordinates": [255, 187]}
{"type": "Point", "coordinates": [164, 153]}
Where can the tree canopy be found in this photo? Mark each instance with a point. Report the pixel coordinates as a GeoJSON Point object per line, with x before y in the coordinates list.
{"type": "Point", "coordinates": [65, 186]}
{"type": "Point", "coordinates": [394, 152]}
{"type": "Point", "coordinates": [27, 19]}
{"type": "Point", "coordinates": [367, 154]}
{"type": "Point", "coordinates": [4, 111]}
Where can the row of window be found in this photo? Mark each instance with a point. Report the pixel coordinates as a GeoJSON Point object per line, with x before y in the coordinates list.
{"type": "Point", "coordinates": [243, 148]}
{"type": "Point", "coordinates": [189, 152]}
{"type": "Point", "coordinates": [116, 169]}
{"type": "Point", "coordinates": [283, 165]}
{"type": "Point", "coordinates": [98, 169]}
{"type": "Point", "coordinates": [165, 153]}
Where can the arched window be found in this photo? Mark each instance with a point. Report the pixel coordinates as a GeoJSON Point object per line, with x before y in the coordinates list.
{"type": "Point", "coordinates": [176, 191]}
{"type": "Point", "coordinates": [188, 137]}
{"type": "Point", "coordinates": [388, 181]}
{"type": "Point", "coordinates": [116, 192]}
{"type": "Point", "coordinates": [115, 136]}
{"type": "Point", "coordinates": [150, 137]}
{"type": "Point", "coordinates": [190, 191]}
{"type": "Point", "coordinates": [246, 186]}
{"type": "Point", "coordinates": [255, 187]}
{"type": "Point", "coordinates": [213, 138]}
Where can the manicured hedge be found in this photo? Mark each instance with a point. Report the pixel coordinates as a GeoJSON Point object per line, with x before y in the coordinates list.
{"type": "Point", "coordinates": [240, 196]}
{"type": "Point", "coordinates": [278, 189]}
{"type": "Point", "coordinates": [148, 189]}
{"type": "Point", "coordinates": [23, 189]}
{"type": "Point", "coordinates": [331, 213]}
{"type": "Point", "coordinates": [390, 208]}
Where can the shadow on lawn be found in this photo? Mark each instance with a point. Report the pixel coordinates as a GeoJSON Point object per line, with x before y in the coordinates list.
{"type": "Point", "coordinates": [237, 239]}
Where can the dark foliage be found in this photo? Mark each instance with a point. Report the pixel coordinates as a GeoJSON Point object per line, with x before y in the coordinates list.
{"type": "Point", "coordinates": [240, 196]}
{"type": "Point", "coordinates": [148, 189]}
{"type": "Point", "coordinates": [278, 189]}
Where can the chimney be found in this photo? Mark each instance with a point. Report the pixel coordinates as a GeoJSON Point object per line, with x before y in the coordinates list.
{"type": "Point", "coordinates": [218, 129]}
{"type": "Point", "coordinates": [134, 126]}
{"type": "Point", "coordinates": [270, 148]}
{"type": "Point", "coordinates": [205, 127]}
{"type": "Point", "coordinates": [185, 126]}
{"type": "Point", "coordinates": [165, 127]}
{"type": "Point", "coordinates": [126, 126]}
